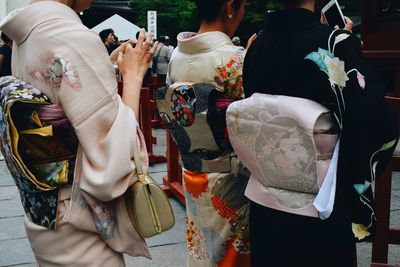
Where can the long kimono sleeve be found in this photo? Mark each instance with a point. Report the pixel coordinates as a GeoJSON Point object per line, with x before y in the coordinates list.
{"type": "Point", "coordinates": [369, 136]}
{"type": "Point", "coordinates": [368, 120]}
{"type": "Point", "coordinates": [106, 128]}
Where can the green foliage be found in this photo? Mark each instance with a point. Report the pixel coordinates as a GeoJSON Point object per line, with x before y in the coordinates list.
{"type": "Point", "coordinates": [173, 16]}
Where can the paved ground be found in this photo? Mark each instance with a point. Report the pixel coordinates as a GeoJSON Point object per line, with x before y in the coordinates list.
{"type": "Point", "coordinates": [167, 249]}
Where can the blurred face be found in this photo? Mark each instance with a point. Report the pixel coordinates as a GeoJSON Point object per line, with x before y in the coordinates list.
{"type": "Point", "coordinates": [237, 17]}
{"type": "Point", "coordinates": [81, 5]}
{"type": "Point", "coordinates": [110, 38]}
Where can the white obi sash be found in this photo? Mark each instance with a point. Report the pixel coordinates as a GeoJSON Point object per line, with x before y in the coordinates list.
{"type": "Point", "coordinates": [287, 143]}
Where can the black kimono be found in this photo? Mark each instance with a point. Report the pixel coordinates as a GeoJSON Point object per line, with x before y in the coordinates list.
{"type": "Point", "coordinates": [297, 56]}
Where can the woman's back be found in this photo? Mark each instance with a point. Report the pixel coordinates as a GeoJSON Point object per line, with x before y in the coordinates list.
{"type": "Point", "coordinates": [205, 75]}
{"type": "Point", "coordinates": [197, 57]}
{"type": "Point", "coordinates": [208, 58]}
{"type": "Point", "coordinates": [297, 56]}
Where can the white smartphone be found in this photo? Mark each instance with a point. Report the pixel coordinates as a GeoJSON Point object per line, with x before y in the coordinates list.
{"type": "Point", "coordinates": [333, 14]}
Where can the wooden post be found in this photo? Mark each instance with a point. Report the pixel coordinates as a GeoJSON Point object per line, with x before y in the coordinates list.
{"type": "Point", "coordinates": [147, 107]}
{"type": "Point", "coordinates": [380, 241]}
{"type": "Point", "coordinates": [173, 180]}
{"type": "Point", "coordinates": [155, 82]}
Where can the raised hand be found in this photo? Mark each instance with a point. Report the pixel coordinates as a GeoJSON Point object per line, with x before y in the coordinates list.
{"type": "Point", "coordinates": [134, 61]}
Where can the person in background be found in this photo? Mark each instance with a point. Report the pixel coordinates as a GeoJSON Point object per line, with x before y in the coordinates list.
{"type": "Point", "coordinates": [204, 77]}
{"type": "Point", "coordinates": [167, 43]}
{"type": "Point", "coordinates": [84, 222]}
{"type": "Point", "coordinates": [5, 55]}
{"type": "Point", "coordinates": [236, 41]}
{"type": "Point", "coordinates": [161, 58]}
{"type": "Point", "coordinates": [109, 39]}
{"type": "Point", "coordinates": [298, 56]}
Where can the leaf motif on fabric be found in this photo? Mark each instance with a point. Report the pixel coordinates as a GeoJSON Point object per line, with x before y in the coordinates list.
{"type": "Point", "coordinates": [340, 38]}
{"type": "Point", "coordinates": [374, 169]}
{"type": "Point", "coordinates": [319, 58]}
{"type": "Point", "coordinates": [361, 188]}
{"type": "Point", "coordinates": [316, 57]}
{"type": "Point", "coordinates": [325, 53]}
{"type": "Point", "coordinates": [388, 145]}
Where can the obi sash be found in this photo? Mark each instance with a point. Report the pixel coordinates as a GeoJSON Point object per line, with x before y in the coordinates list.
{"type": "Point", "coordinates": [39, 145]}
{"type": "Point", "coordinates": [287, 143]}
{"type": "Point", "coordinates": [194, 114]}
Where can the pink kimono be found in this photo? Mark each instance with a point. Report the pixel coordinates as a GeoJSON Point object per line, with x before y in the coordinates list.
{"type": "Point", "coordinates": [56, 53]}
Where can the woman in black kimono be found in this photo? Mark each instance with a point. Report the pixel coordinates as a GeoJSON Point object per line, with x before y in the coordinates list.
{"type": "Point", "coordinates": [298, 56]}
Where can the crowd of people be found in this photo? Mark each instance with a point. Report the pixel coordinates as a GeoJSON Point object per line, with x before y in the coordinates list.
{"type": "Point", "coordinates": [234, 218]}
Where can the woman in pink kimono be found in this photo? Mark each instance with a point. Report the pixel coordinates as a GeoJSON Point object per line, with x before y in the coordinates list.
{"type": "Point", "coordinates": [204, 77]}
{"type": "Point", "coordinates": [83, 223]}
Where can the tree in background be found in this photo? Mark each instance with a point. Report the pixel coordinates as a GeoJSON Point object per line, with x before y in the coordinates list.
{"type": "Point", "coordinates": [174, 16]}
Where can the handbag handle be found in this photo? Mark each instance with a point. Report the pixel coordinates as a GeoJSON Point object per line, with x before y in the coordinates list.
{"type": "Point", "coordinates": [138, 162]}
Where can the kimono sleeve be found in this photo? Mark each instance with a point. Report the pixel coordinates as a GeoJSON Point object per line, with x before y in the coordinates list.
{"type": "Point", "coordinates": [369, 136]}
{"type": "Point", "coordinates": [106, 128]}
{"type": "Point", "coordinates": [370, 122]}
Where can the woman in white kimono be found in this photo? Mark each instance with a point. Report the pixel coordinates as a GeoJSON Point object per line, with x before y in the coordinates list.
{"type": "Point", "coordinates": [56, 53]}
{"type": "Point", "coordinates": [204, 77]}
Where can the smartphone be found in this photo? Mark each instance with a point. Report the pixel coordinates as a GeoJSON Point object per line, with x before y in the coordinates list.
{"type": "Point", "coordinates": [333, 14]}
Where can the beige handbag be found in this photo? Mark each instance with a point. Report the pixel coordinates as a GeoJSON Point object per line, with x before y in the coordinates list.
{"type": "Point", "coordinates": [148, 206]}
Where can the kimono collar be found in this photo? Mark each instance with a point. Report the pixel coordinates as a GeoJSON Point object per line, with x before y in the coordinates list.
{"type": "Point", "coordinates": [290, 20]}
{"type": "Point", "coordinates": [193, 43]}
{"type": "Point", "coordinates": [20, 23]}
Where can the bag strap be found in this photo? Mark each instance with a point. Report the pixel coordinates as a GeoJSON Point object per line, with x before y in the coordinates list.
{"type": "Point", "coordinates": [138, 162]}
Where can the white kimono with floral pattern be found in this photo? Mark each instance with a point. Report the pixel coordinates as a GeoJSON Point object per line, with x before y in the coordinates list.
{"type": "Point", "coordinates": [205, 75]}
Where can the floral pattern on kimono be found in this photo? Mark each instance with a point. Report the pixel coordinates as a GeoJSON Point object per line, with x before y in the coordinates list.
{"type": "Point", "coordinates": [229, 76]}
{"type": "Point", "coordinates": [217, 211]}
{"type": "Point", "coordinates": [364, 218]}
{"type": "Point", "coordinates": [57, 69]}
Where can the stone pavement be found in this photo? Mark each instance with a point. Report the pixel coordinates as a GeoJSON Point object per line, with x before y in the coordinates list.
{"type": "Point", "coordinates": [168, 249]}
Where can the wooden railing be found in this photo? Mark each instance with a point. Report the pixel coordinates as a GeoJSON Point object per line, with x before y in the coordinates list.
{"type": "Point", "coordinates": [146, 109]}
{"type": "Point", "coordinates": [148, 119]}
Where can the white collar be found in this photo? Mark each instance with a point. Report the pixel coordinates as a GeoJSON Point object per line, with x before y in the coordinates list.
{"type": "Point", "coordinates": [193, 43]}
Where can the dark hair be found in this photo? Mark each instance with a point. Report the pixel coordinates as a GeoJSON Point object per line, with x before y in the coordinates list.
{"type": "Point", "coordinates": [5, 38]}
{"type": "Point", "coordinates": [104, 34]}
{"type": "Point", "coordinates": [161, 39]}
{"type": "Point", "coordinates": [209, 10]}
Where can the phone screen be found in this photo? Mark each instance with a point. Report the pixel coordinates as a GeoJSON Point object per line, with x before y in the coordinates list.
{"type": "Point", "coordinates": [333, 17]}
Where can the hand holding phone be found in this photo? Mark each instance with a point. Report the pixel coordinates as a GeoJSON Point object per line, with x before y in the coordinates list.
{"type": "Point", "coordinates": [333, 15]}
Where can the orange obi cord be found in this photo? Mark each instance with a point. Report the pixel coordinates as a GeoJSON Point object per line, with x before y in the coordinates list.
{"type": "Point", "coordinates": [195, 182]}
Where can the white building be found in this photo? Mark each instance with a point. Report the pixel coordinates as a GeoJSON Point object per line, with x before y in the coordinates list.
{"type": "Point", "coordinates": [6, 6]}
